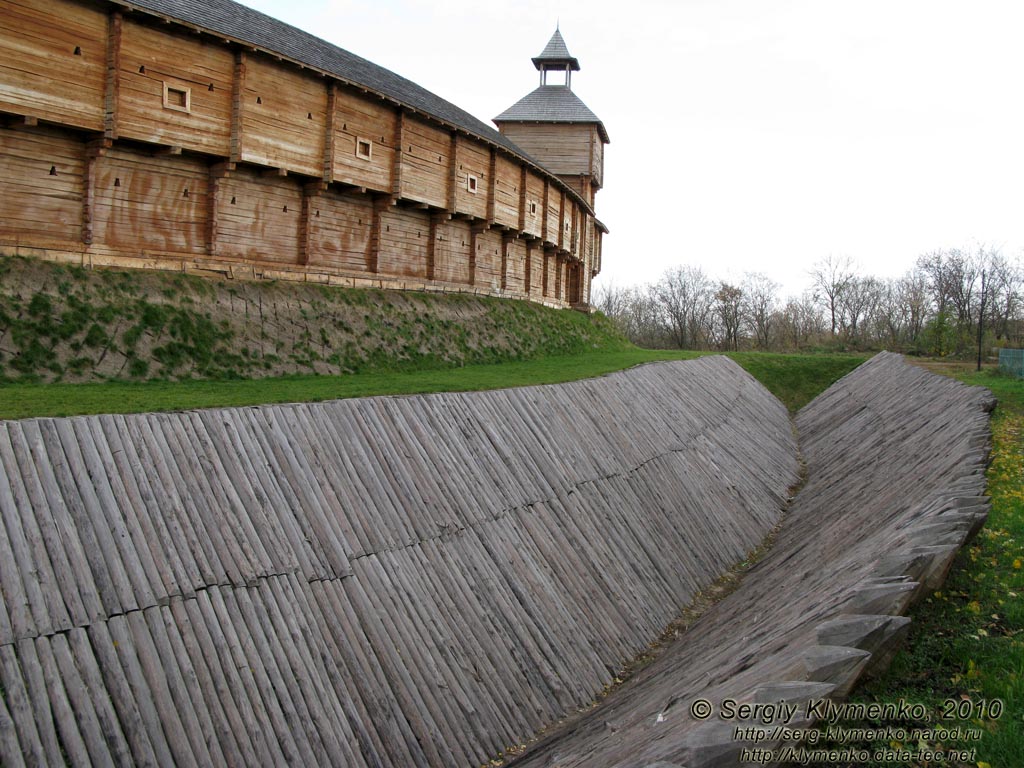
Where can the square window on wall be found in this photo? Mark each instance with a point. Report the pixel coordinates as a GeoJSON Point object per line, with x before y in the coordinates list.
{"type": "Point", "coordinates": [178, 98]}
{"type": "Point", "coordinates": [471, 183]}
{"type": "Point", "coordinates": [364, 148]}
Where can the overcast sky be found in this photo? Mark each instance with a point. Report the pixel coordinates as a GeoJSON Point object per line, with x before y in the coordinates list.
{"type": "Point", "coordinates": [748, 135]}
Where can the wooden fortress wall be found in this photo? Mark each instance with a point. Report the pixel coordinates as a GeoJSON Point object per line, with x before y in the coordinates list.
{"type": "Point", "coordinates": [130, 141]}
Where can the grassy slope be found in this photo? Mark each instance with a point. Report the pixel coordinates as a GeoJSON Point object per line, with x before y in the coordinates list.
{"type": "Point", "coordinates": [966, 642]}
{"type": "Point", "coordinates": [117, 341]}
{"type": "Point", "coordinates": [73, 325]}
{"type": "Point", "coordinates": [792, 378]}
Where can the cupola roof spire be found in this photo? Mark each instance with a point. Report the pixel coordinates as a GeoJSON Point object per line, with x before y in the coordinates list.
{"type": "Point", "coordinates": [556, 55]}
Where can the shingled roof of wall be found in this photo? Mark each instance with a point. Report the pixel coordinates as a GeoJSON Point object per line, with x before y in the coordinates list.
{"type": "Point", "coordinates": [240, 24]}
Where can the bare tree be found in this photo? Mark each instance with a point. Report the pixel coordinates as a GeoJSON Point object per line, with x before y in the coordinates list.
{"type": "Point", "coordinates": [685, 296]}
{"type": "Point", "coordinates": [934, 307]}
{"type": "Point", "coordinates": [954, 279]}
{"type": "Point", "coordinates": [611, 299]}
{"type": "Point", "coordinates": [760, 301]}
{"type": "Point", "coordinates": [912, 294]}
{"type": "Point", "coordinates": [951, 275]}
{"type": "Point", "coordinates": [891, 316]}
{"type": "Point", "coordinates": [857, 303]}
{"type": "Point", "coordinates": [800, 321]}
{"type": "Point", "coordinates": [728, 307]}
{"type": "Point", "coordinates": [964, 271]}
{"type": "Point", "coordinates": [636, 312]}
{"type": "Point", "coordinates": [831, 279]}
{"type": "Point", "coordinates": [1005, 286]}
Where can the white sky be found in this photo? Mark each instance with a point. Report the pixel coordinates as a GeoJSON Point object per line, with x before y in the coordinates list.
{"type": "Point", "coordinates": [747, 135]}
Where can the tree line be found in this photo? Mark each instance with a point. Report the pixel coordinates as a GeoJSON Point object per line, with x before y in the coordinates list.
{"type": "Point", "coordinates": [944, 306]}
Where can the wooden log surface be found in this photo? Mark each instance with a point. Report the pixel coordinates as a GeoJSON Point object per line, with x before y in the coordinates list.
{"type": "Point", "coordinates": [893, 455]}
{"type": "Point", "coordinates": [427, 580]}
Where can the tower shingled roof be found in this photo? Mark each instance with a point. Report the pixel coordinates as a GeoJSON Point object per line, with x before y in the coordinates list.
{"type": "Point", "coordinates": [551, 104]}
{"type": "Point", "coordinates": [556, 52]}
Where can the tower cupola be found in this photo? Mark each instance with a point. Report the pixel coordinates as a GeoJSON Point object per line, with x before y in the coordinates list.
{"type": "Point", "coordinates": [556, 58]}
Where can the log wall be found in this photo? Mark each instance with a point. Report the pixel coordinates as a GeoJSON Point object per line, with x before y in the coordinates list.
{"type": "Point", "coordinates": [53, 61]}
{"type": "Point", "coordinates": [536, 273]}
{"type": "Point", "coordinates": [283, 118]}
{"type": "Point", "coordinates": [405, 234]}
{"type": "Point", "coordinates": [472, 160]}
{"type": "Point", "coordinates": [147, 64]}
{"type": "Point", "coordinates": [453, 252]}
{"type": "Point", "coordinates": [340, 229]}
{"type": "Point", "coordinates": [258, 217]}
{"type": "Point", "coordinates": [425, 163]}
{"type": "Point", "coordinates": [553, 218]}
{"type": "Point", "coordinates": [165, 108]}
{"type": "Point", "coordinates": [552, 281]}
{"type": "Point", "coordinates": [506, 192]}
{"type": "Point", "coordinates": [151, 203]}
{"type": "Point", "coordinates": [389, 581]}
{"type": "Point", "coordinates": [533, 223]}
{"type": "Point", "coordinates": [566, 148]}
{"type": "Point", "coordinates": [44, 186]}
{"type": "Point", "coordinates": [355, 119]}
{"type": "Point", "coordinates": [488, 259]}
{"type": "Point", "coordinates": [515, 266]}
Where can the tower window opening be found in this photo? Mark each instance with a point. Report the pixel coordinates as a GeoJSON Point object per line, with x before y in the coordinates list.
{"type": "Point", "coordinates": [178, 99]}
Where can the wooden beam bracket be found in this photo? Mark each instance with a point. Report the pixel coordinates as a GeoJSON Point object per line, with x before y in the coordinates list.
{"type": "Point", "coordinates": [222, 170]}
{"type": "Point", "coordinates": [98, 147]}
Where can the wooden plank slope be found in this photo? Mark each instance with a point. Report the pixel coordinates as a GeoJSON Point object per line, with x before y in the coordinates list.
{"type": "Point", "coordinates": [895, 486]}
{"type": "Point", "coordinates": [390, 581]}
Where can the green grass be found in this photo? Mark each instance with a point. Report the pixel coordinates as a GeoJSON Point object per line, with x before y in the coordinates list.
{"type": "Point", "coordinates": [795, 379]}
{"type": "Point", "coordinates": [966, 642]}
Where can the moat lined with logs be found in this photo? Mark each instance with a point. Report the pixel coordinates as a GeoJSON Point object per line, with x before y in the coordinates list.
{"type": "Point", "coordinates": [430, 580]}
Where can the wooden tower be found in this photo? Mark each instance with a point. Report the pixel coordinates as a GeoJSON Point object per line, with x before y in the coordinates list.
{"type": "Point", "coordinates": [554, 126]}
